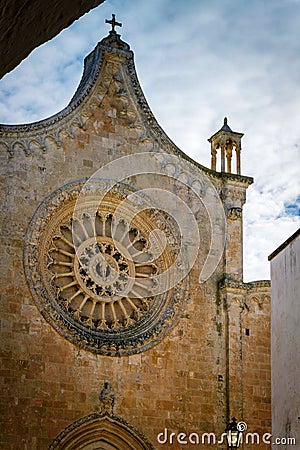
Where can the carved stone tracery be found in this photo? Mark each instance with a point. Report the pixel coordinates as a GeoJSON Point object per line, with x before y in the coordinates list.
{"type": "Point", "coordinates": [101, 285]}
{"type": "Point", "coordinates": [94, 275]}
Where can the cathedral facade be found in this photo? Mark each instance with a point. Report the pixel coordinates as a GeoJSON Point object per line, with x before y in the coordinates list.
{"type": "Point", "coordinates": [125, 321]}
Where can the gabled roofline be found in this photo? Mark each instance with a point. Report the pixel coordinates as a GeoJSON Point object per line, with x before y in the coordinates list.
{"type": "Point", "coordinates": [281, 247]}
{"type": "Point", "coordinates": [92, 65]}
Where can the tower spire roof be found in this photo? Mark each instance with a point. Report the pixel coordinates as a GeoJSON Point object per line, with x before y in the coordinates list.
{"type": "Point", "coordinates": [225, 126]}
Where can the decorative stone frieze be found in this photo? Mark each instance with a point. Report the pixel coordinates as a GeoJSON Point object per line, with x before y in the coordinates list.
{"type": "Point", "coordinates": [248, 294]}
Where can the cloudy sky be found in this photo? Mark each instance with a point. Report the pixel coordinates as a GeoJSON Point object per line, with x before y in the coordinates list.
{"type": "Point", "coordinates": [197, 61]}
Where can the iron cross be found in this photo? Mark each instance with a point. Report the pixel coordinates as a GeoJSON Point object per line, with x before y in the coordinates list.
{"type": "Point", "coordinates": [113, 23]}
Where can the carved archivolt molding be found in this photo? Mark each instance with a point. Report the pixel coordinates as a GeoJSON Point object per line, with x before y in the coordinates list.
{"type": "Point", "coordinates": [101, 432]}
{"type": "Point", "coordinates": [93, 276]}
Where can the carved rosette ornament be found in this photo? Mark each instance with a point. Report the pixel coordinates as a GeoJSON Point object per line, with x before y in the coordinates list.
{"type": "Point", "coordinates": [96, 276]}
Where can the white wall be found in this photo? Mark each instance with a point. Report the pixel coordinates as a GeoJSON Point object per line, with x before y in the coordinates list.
{"type": "Point", "coordinates": [285, 342]}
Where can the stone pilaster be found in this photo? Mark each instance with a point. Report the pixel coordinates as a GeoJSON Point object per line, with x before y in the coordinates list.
{"type": "Point", "coordinates": [234, 197]}
{"type": "Point", "coordinates": [246, 309]}
{"type": "Point", "coordinates": [233, 295]}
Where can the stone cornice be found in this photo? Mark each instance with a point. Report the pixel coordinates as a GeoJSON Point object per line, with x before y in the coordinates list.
{"type": "Point", "coordinates": [230, 283]}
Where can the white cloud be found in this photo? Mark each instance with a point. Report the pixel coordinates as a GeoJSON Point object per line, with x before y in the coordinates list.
{"type": "Point", "coordinates": [197, 62]}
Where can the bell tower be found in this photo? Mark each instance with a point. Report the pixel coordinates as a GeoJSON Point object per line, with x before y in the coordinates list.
{"type": "Point", "coordinates": [226, 141]}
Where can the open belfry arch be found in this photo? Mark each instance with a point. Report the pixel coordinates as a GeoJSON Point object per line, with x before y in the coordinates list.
{"type": "Point", "coordinates": [123, 261]}
{"type": "Point", "coordinates": [225, 141]}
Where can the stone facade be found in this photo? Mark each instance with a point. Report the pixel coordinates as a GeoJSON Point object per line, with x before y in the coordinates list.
{"type": "Point", "coordinates": [186, 352]}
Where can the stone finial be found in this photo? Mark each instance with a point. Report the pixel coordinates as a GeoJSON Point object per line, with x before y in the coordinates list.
{"type": "Point", "coordinates": [114, 39]}
{"type": "Point", "coordinates": [107, 398]}
{"type": "Point", "coordinates": [225, 126]}
{"type": "Point", "coordinates": [113, 23]}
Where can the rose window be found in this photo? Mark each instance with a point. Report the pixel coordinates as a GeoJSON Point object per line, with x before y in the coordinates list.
{"type": "Point", "coordinates": [100, 277]}
{"type": "Point", "coordinates": [107, 283]}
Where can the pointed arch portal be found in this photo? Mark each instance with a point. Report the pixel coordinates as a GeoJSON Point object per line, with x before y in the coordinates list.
{"type": "Point", "coordinates": [96, 432]}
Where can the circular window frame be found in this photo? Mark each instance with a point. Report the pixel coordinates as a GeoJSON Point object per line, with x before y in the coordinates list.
{"type": "Point", "coordinates": [146, 332]}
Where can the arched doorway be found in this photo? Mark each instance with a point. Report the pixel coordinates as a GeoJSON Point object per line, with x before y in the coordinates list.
{"type": "Point", "coordinates": [101, 432]}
